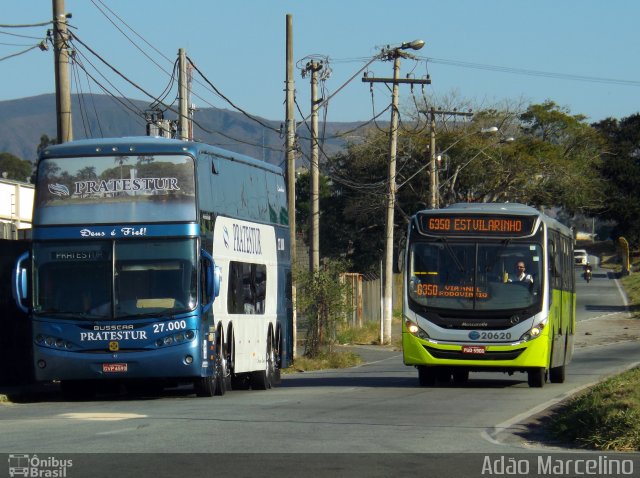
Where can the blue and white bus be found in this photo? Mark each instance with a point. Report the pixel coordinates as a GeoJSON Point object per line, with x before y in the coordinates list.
{"type": "Point", "coordinates": [133, 239]}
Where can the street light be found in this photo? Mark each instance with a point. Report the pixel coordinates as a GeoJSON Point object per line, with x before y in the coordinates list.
{"type": "Point", "coordinates": [395, 54]}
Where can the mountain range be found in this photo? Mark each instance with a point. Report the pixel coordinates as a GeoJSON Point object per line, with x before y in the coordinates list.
{"type": "Point", "coordinates": [24, 121]}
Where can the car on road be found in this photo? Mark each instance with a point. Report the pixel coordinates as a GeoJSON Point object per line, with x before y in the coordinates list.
{"type": "Point", "coordinates": [580, 257]}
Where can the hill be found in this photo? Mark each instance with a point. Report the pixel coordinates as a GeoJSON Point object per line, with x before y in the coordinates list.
{"type": "Point", "coordinates": [24, 121]}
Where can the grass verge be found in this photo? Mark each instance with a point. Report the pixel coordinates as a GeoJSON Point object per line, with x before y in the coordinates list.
{"type": "Point", "coordinates": [323, 361]}
{"type": "Point", "coordinates": [607, 416]}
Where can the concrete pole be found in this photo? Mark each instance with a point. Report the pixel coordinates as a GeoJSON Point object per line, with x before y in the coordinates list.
{"type": "Point", "coordinates": [433, 202]}
{"type": "Point", "coordinates": [291, 169]}
{"type": "Point", "coordinates": [314, 257]}
{"type": "Point", "coordinates": [391, 204]}
{"type": "Point", "coordinates": [63, 85]}
{"type": "Point", "coordinates": [183, 93]}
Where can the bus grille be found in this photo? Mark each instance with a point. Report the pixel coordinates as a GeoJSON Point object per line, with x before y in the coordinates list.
{"type": "Point", "coordinates": [458, 355]}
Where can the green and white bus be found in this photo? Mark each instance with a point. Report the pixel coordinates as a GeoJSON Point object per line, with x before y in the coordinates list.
{"type": "Point", "coordinates": [464, 305]}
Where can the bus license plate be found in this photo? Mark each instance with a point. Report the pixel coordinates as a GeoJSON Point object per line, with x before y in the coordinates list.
{"type": "Point", "coordinates": [114, 367]}
{"type": "Point", "coordinates": [474, 349]}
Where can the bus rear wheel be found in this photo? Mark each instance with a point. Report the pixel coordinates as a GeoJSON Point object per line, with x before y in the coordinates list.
{"type": "Point", "coordinates": [537, 377]}
{"type": "Point", "coordinates": [263, 379]}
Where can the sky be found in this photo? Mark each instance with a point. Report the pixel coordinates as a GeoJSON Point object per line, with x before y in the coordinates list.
{"type": "Point", "coordinates": [581, 54]}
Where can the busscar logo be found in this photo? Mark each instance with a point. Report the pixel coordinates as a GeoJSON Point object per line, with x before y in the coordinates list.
{"type": "Point", "coordinates": [47, 467]}
{"type": "Point", "coordinates": [58, 189]}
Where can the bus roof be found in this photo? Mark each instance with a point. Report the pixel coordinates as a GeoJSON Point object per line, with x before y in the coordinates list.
{"type": "Point", "coordinates": [146, 145]}
{"type": "Point", "coordinates": [507, 208]}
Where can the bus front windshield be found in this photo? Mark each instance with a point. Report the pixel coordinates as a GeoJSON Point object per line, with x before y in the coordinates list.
{"type": "Point", "coordinates": [487, 276]}
{"type": "Point", "coordinates": [115, 280]}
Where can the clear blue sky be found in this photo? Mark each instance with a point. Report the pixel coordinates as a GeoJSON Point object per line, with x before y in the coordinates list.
{"type": "Point", "coordinates": [240, 47]}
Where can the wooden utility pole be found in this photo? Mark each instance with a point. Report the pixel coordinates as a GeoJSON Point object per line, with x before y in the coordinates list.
{"type": "Point", "coordinates": [291, 169]}
{"type": "Point", "coordinates": [314, 257]}
{"type": "Point", "coordinates": [63, 85]}
{"type": "Point", "coordinates": [183, 93]}
{"type": "Point", "coordinates": [396, 54]}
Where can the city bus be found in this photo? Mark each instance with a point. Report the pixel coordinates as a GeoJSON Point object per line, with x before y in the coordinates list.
{"type": "Point", "coordinates": [133, 239]}
{"type": "Point", "coordinates": [488, 287]}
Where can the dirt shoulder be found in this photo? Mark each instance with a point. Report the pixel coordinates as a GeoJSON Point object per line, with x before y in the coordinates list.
{"type": "Point", "coordinates": [606, 329]}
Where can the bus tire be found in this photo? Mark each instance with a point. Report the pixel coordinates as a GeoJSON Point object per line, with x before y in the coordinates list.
{"type": "Point", "coordinates": [263, 379]}
{"type": "Point", "coordinates": [206, 386]}
{"type": "Point", "coordinates": [221, 367]}
{"type": "Point", "coordinates": [537, 377]}
{"type": "Point", "coordinates": [426, 376]}
{"type": "Point", "coordinates": [277, 376]}
{"type": "Point", "coordinates": [557, 374]}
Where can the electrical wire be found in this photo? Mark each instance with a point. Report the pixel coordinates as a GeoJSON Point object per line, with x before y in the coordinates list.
{"type": "Point", "coordinates": [251, 117]}
{"type": "Point", "coordinates": [527, 72]}
{"type": "Point", "coordinates": [29, 25]}
{"type": "Point", "coordinates": [19, 53]}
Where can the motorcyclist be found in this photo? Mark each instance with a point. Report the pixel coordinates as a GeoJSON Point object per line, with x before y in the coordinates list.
{"type": "Point", "coordinates": [587, 272]}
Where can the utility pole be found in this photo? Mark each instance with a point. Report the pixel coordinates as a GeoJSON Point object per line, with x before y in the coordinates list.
{"type": "Point", "coordinates": [291, 169]}
{"type": "Point", "coordinates": [394, 54]}
{"type": "Point", "coordinates": [434, 200]}
{"type": "Point", "coordinates": [314, 257]}
{"type": "Point", "coordinates": [63, 85]}
{"type": "Point", "coordinates": [183, 92]}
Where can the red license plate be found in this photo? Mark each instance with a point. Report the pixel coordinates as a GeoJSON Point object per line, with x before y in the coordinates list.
{"type": "Point", "coordinates": [474, 349]}
{"type": "Point", "coordinates": [114, 367]}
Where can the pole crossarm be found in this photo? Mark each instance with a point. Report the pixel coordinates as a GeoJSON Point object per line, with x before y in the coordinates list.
{"type": "Point", "coordinates": [408, 81]}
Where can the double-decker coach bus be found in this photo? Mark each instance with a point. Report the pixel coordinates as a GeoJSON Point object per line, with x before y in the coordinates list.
{"type": "Point", "coordinates": [133, 238]}
{"type": "Point", "coordinates": [488, 287]}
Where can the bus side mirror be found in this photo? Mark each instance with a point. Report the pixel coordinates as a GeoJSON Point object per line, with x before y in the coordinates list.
{"type": "Point", "coordinates": [19, 284]}
{"type": "Point", "coordinates": [217, 280]}
{"type": "Point", "coordinates": [212, 280]}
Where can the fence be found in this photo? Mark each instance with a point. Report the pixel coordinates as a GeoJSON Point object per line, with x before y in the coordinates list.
{"type": "Point", "coordinates": [365, 297]}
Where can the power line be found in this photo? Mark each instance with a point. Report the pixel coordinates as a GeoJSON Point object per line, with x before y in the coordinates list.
{"type": "Point", "coordinates": [527, 72]}
{"type": "Point", "coordinates": [29, 25]}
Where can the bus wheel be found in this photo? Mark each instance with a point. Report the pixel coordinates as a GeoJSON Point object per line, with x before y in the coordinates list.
{"type": "Point", "coordinates": [263, 379]}
{"type": "Point", "coordinates": [277, 377]}
{"type": "Point", "coordinates": [557, 374]}
{"type": "Point", "coordinates": [460, 376]}
{"type": "Point", "coordinates": [426, 376]}
{"type": "Point", "coordinates": [206, 386]}
{"type": "Point", "coordinates": [221, 368]}
{"type": "Point", "coordinates": [536, 377]}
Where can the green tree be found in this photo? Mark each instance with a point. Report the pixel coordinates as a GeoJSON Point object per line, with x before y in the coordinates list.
{"type": "Point", "coordinates": [44, 142]}
{"type": "Point", "coordinates": [15, 168]}
{"type": "Point", "coordinates": [321, 298]}
{"type": "Point", "coordinates": [621, 169]}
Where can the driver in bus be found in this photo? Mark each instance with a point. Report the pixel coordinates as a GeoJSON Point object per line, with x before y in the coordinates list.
{"type": "Point", "coordinates": [521, 274]}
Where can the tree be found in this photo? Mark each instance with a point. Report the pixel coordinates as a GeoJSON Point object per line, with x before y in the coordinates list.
{"type": "Point", "coordinates": [621, 168]}
{"type": "Point", "coordinates": [321, 298]}
{"type": "Point", "coordinates": [15, 168]}
{"type": "Point", "coordinates": [44, 142]}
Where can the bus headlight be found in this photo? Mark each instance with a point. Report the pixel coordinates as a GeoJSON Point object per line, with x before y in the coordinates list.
{"type": "Point", "coordinates": [413, 329]}
{"type": "Point", "coordinates": [534, 331]}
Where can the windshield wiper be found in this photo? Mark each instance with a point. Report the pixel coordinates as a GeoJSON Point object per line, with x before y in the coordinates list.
{"type": "Point", "coordinates": [453, 255]}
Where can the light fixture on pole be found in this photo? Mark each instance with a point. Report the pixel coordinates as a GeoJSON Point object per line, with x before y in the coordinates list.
{"type": "Point", "coordinates": [395, 54]}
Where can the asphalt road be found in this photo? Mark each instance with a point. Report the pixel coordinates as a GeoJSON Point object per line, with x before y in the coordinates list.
{"type": "Point", "coordinates": [365, 412]}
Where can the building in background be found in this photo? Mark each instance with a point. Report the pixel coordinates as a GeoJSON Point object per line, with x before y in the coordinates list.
{"type": "Point", "coordinates": [16, 206]}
